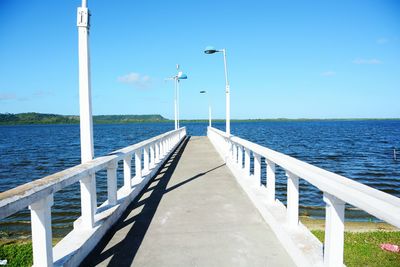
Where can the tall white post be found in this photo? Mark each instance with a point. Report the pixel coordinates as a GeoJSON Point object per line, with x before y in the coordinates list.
{"type": "Point", "coordinates": [270, 180]}
{"type": "Point", "coordinates": [88, 184]}
{"type": "Point", "coordinates": [334, 231]}
{"type": "Point", "coordinates": [209, 115]}
{"type": "Point", "coordinates": [292, 199]}
{"type": "Point", "coordinates": [175, 101]}
{"type": "Point", "coordinates": [41, 231]}
{"type": "Point", "coordinates": [177, 93]}
{"type": "Point", "coordinates": [85, 101]}
{"type": "Point", "coordinates": [228, 100]}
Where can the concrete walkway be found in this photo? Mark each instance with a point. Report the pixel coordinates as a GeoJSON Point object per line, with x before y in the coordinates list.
{"type": "Point", "coordinates": [192, 214]}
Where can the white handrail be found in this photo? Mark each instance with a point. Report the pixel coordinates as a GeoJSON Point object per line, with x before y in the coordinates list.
{"type": "Point", "coordinates": [337, 189]}
{"type": "Point", "coordinates": [38, 195]}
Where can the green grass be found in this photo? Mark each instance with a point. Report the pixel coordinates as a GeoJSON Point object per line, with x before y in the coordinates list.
{"type": "Point", "coordinates": [17, 254]}
{"type": "Point", "coordinates": [360, 249]}
{"type": "Point", "coordinates": [363, 249]}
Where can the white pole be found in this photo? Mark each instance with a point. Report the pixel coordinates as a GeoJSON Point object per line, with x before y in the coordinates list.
{"type": "Point", "coordinates": [178, 102]}
{"type": "Point", "coordinates": [85, 102]}
{"type": "Point", "coordinates": [175, 102]}
{"type": "Point", "coordinates": [209, 115]}
{"type": "Point", "coordinates": [228, 104]}
{"type": "Point", "coordinates": [88, 184]}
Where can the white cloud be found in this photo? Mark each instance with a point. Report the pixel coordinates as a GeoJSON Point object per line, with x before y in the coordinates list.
{"type": "Point", "coordinates": [136, 79]}
{"type": "Point", "coordinates": [382, 41]}
{"type": "Point", "coordinates": [36, 94]}
{"type": "Point", "coordinates": [373, 61]}
{"type": "Point", "coordinates": [7, 96]}
{"type": "Point", "coordinates": [43, 93]}
{"type": "Point", "coordinates": [328, 73]}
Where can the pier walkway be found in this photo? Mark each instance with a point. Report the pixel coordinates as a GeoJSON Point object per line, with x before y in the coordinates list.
{"type": "Point", "coordinates": [193, 213]}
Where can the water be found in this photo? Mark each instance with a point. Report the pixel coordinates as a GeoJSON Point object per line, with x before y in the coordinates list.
{"type": "Point", "coordinates": [360, 150]}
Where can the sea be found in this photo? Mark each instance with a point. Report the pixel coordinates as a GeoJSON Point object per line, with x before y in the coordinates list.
{"type": "Point", "coordinates": [367, 151]}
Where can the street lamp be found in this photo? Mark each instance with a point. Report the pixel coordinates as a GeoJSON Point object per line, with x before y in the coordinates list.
{"type": "Point", "coordinates": [209, 108]}
{"type": "Point", "coordinates": [212, 50]}
{"type": "Point", "coordinates": [88, 183]}
{"type": "Point", "coordinates": [180, 76]}
{"type": "Point", "coordinates": [177, 78]}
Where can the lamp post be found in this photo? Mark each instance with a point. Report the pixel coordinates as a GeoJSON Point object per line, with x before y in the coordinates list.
{"type": "Point", "coordinates": [175, 101]}
{"type": "Point", "coordinates": [209, 108]}
{"type": "Point", "coordinates": [180, 76]}
{"type": "Point", "coordinates": [87, 184]}
{"type": "Point", "coordinates": [177, 78]}
{"type": "Point", "coordinates": [212, 50]}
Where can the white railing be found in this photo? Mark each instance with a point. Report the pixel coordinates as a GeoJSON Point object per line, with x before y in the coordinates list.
{"type": "Point", "coordinates": [94, 221]}
{"type": "Point", "coordinates": [337, 190]}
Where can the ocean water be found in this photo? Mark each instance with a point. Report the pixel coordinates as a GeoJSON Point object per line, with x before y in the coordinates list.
{"type": "Point", "coordinates": [360, 150]}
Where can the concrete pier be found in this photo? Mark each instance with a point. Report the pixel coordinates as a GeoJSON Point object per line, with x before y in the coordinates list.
{"type": "Point", "coordinates": [193, 213]}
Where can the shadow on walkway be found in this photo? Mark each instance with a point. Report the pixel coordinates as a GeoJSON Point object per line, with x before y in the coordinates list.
{"type": "Point", "coordinates": [131, 228]}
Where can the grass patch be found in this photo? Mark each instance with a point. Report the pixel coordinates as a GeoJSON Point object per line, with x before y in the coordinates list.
{"type": "Point", "coordinates": [360, 249]}
{"type": "Point", "coordinates": [17, 253]}
{"type": "Point", "coordinates": [363, 249]}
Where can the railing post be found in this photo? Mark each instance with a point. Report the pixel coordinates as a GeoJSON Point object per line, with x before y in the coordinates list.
{"type": "Point", "coordinates": [41, 232]}
{"type": "Point", "coordinates": [162, 148]}
{"type": "Point", "coordinates": [270, 180]}
{"type": "Point", "coordinates": [240, 156]}
{"type": "Point", "coordinates": [138, 164]}
{"type": "Point", "coordinates": [152, 156]}
{"type": "Point", "coordinates": [247, 162]}
{"type": "Point", "coordinates": [146, 160]}
{"type": "Point", "coordinates": [112, 182]}
{"type": "Point", "coordinates": [230, 149]}
{"type": "Point", "coordinates": [292, 199]}
{"type": "Point", "coordinates": [128, 172]}
{"type": "Point", "coordinates": [88, 200]}
{"type": "Point", "coordinates": [257, 167]}
{"type": "Point", "coordinates": [334, 231]}
{"type": "Point", "coordinates": [235, 152]}
{"type": "Point", "coordinates": [157, 156]}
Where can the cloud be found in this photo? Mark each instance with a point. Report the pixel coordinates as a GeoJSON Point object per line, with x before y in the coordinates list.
{"type": "Point", "coordinates": [382, 41]}
{"type": "Point", "coordinates": [43, 93]}
{"type": "Point", "coordinates": [328, 73]}
{"type": "Point", "coordinates": [7, 96]}
{"type": "Point", "coordinates": [136, 79]}
{"type": "Point", "coordinates": [373, 61]}
{"type": "Point", "coordinates": [36, 94]}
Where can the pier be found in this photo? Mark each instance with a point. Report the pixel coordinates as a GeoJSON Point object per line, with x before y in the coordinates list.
{"type": "Point", "coordinates": [189, 200]}
{"type": "Point", "coordinates": [192, 214]}
{"type": "Point", "coordinates": [194, 201]}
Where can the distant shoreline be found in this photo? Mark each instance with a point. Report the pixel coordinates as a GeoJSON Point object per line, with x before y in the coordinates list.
{"type": "Point", "coordinates": [33, 118]}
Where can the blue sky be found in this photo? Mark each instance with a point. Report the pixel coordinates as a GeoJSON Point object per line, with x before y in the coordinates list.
{"type": "Point", "coordinates": [293, 59]}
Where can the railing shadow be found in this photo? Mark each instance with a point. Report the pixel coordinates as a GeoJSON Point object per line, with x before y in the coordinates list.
{"type": "Point", "coordinates": [137, 217]}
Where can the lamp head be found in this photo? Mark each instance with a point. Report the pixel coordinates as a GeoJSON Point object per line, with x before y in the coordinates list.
{"type": "Point", "coordinates": [203, 92]}
{"type": "Point", "coordinates": [210, 50]}
{"type": "Point", "coordinates": [182, 76]}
